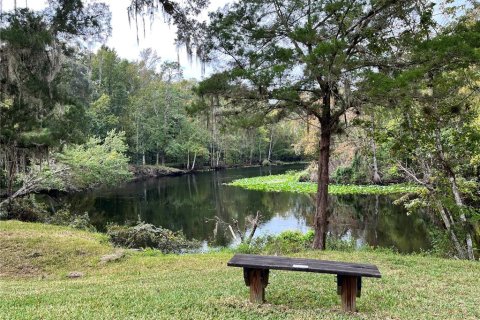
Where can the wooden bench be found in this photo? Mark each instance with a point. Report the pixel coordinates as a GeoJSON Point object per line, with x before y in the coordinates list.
{"type": "Point", "coordinates": [349, 275]}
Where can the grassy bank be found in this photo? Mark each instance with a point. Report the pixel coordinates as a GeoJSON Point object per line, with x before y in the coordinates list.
{"type": "Point", "coordinates": [289, 183]}
{"type": "Point", "coordinates": [35, 259]}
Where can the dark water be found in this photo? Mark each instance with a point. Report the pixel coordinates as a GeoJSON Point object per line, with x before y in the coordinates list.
{"type": "Point", "coordinates": [191, 202]}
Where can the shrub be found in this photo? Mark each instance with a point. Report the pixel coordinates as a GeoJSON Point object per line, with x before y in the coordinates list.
{"type": "Point", "coordinates": [286, 242]}
{"type": "Point", "coordinates": [283, 243]}
{"type": "Point", "coordinates": [310, 174]}
{"type": "Point", "coordinates": [343, 175]}
{"type": "Point", "coordinates": [144, 235]}
{"type": "Point", "coordinates": [266, 162]}
{"type": "Point", "coordinates": [357, 172]}
{"type": "Point", "coordinates": [250, 248]}
{"type": "Point", "coordinates": [64, 217]}
{"type": "Point", "coordinates": [24, 209]}
{"type": "Point", "coordinates": [292, 242]}
{"type": "Point", "coordinates": [442, 245]}
{"type": "Point", "coordinates": [29, 210]}
{"type": "Point", "coordinates": [341, 244]}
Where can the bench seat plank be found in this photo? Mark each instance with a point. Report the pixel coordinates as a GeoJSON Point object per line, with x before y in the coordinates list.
{"type": "Point", "coordinates": [306, 265]}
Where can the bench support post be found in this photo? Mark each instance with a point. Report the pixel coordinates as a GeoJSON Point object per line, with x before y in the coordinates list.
{"type": "Point", "coordinates": [349, 290]}
{"type": "Point", "coordinates": [257, 280]}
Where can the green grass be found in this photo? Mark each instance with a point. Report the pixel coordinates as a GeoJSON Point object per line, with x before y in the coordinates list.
{"type": "Point", "coordinates": [150, 285]}
{"type": "Point", "coordinates": [36, 249]}
{"type": "Point", "coordinates": [289, 183]}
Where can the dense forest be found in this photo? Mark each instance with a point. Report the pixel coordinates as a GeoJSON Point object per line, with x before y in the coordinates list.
{"type": "Point", "coordinates": [378, 93]}
{"type": "Point", "coordinates": [53, 99]}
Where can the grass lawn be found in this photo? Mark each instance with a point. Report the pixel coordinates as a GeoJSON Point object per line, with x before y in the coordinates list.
{"type": "Point", "coordinates": [289, 183]}
{"type": "Point", "coordinates": [35, 259]}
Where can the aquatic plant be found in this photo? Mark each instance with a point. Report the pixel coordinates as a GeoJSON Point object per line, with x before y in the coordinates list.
{"type": "Point", "coordinates": [289, 182]}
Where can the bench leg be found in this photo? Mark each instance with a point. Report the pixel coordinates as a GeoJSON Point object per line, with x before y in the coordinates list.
{"type": "Point", "coordinates": [257, 280]}
{"type": "Point", "coordinates": [348, 291]}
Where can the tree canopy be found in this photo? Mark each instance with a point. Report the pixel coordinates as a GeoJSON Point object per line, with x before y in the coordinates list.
{"type": "Point", "coordinates": [310, 57]}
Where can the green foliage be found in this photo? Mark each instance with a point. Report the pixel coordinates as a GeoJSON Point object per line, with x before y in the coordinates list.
{"type": "Point", "coordinates": [284, 243]}
{"type": "Point", "coordinates": [353, 174]}
{"type": "Point", "coordinates": [30, 210]}
{"type": "Point", "coordinates": [289, 183]}
{"type": "Point", "coordinates": [64, 217]}
{"type": "Point", "coordinates": [288, 242]}
{"type": "Point", "coordinates": [266, 163]}
{"type": "Point", "coordinates": [96, 162]}
{"type": "Point", "coordinates": [25, 209]}
{"type": "Point", "coordinates": [100, 117]}
{"type": "Point", "coordinates": [432, 134]}
{"type": "Point", "coordinates": [78, 167]}
{"type": "Point", "coordinates": [442, 245]}
{"type": "Point", "coordinates": [36, 47]}
{"type": "Point", "coordinates": [343, 175]}
{"type": "Point", "coordinates": [341, 244]}
{"type": "Point", "coordinates": [145, 235]}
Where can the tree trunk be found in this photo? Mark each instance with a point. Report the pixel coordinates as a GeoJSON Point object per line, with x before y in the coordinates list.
{"type": "Point", "coordinates": [11, 168]}
{"type": "Point", "coordinates": [188, 159]}
{"type": "Point", "coordinates": [322, 191]}
{"type": "Point", "coordinates": [463, 219]}
{"type": "Point", "coordinates": [321, 213]}
{"type": "Point", "coordinates": [158, 158]}
{"type": "Point", "coordinates": [143, 158]}
{"type": "Point", "coordinates": [270, 146]}
{"type": "Point", "coordinates": [376, 175]}
{"type": "Point", "coordinates": [251, 155]}
{"type": "Point", "coordinates": [447, 222]}
{"type": "Point", "coordinates": [194, 158]}
{"type": "Point", "coordinates": [456, 193]}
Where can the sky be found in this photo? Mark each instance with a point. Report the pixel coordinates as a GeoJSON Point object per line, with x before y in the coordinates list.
{"type": "Point", "coordinates": [158, 35]}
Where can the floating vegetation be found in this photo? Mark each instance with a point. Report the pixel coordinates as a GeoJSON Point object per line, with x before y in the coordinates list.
{"type": "Point", "coordinates": [289, 183]}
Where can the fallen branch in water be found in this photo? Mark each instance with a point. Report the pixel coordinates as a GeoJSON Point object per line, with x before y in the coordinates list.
{"type": "Point", "coordinates": [251, 223]}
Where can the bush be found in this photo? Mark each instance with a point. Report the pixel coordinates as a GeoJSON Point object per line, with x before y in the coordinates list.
{"type": "Point", "coordinates": [343, 175]}
{"type": "Point", "coordinates": [24, 209]}
{"type": "Point", "coordinates": [250, 248]}
{"type": "Point", "coordinates": [310, 174]}
{"type": "Point", "coordinates": [357, 172]}
{"type": "Point", "coordinates": [144, 235]}
{"type": "Point", "coordinates": [340, 244]}
{"type": "Point", "coordinates": [292, 242]}
{"type": "Point", "coordinates": [29, 210]}
{"type": "Point", "coordinates": [266, 163]}
{"type": "Point", "coordinates": [288, 242]}
{"type": "Point", "coordinates": [442, 245]}
{"type": "Point", "coordinates": [64, 217]}
{"type": "Point", "coordinates": [283, 243]}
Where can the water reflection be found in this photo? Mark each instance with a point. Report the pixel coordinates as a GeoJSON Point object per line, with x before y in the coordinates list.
{"type": "Point", "coordinates": [191, 202]}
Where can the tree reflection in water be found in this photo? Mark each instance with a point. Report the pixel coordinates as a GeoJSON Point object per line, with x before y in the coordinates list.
{"type": "Point", "coordinates": [189, 203]}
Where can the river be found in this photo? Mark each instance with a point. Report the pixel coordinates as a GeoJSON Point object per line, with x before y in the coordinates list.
{"type": "Point", "coordinates": [191, 202]}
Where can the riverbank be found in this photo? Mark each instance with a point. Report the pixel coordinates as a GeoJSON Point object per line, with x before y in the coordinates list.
{"type": "Point", "coordinates": [155, 171]}
{"type": "Point", "coordinates": [35, 260]}
{"type": "Point", "coordinates": [289, 182]}
{"type": "Point", "coordinates": [141, 172]}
